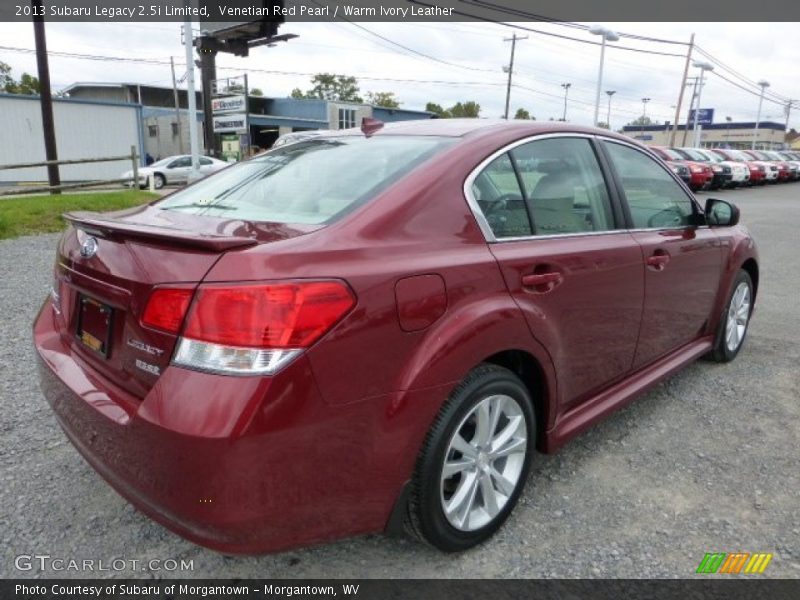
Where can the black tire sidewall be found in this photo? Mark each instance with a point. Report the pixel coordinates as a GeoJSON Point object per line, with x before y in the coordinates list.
{"type": "Point", "coordinates": [434, 524]}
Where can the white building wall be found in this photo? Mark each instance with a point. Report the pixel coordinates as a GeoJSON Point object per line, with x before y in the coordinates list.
{"type": "Point", "coordinates": [82, 131]}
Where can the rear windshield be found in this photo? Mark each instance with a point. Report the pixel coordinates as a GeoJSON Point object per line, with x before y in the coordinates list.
{"type": "Point", "coordinates": [312, 182]}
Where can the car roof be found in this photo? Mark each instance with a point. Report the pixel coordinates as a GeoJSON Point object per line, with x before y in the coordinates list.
{"type": "Point", "coordinates": [473, 127]}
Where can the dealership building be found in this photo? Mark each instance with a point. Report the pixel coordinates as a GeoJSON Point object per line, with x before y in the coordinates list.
{"type": "Point", "coordinates": [768, 136]}
{"type": "Point", "coordinates": [105, 119]}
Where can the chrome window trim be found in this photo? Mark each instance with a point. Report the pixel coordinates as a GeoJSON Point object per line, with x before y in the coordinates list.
{"type": "Point", "coordinates": [488, 234]}
{"type": "Point", "coordinates": [483, 224]}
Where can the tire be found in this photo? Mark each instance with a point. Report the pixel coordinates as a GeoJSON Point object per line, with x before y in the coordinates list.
{"type": "Point", "coordinates": [158, 181]}
{"type": "Point", "coordinates": [489, 480]}
{"type": "Point", "coordinates": [735, 319]}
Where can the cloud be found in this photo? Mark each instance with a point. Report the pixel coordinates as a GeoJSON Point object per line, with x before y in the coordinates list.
{"type": "Point", "coordinates": [475, 54]}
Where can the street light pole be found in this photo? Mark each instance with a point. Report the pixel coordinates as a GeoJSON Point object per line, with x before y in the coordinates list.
{"type": "Point", "coordinates": [703, 66]}
{"type": "Point", "coordinates": [608, 116]}
{"type": "Point", "coordinates": [566, 87]}
{"type": "Point", "coordinates": [728, 130]}
{"type": "Point", "coordinates": [607, 36]}
{"type": "Point", "coordinates": [764, 85]}
{"type": "Point", "coordinates": [644, 112]}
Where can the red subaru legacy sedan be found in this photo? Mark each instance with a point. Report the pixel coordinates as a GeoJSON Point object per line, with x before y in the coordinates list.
{"type": "Point", "coordinates": [376, 330]}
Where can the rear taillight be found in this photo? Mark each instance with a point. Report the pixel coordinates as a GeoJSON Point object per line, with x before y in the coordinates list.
{"type": "Point", "coordinates": [256, 329]}
{"type": "Point", "coordinates": [166, 308]}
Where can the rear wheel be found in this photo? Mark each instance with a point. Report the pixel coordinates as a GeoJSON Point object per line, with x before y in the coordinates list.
{"type": "Point", "coordinates": [735, 319]}
{"type": "Point", "coordinates": [474, 461]}
{"type": "Point", "coordinates": [159, 181]}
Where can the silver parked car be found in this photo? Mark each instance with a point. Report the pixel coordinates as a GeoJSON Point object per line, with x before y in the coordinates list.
{"type": "Point", "coordinates": [173, 169]}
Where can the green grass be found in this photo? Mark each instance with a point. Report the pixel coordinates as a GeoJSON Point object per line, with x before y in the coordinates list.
{"type": "Point", "coordinates": [30, 215]}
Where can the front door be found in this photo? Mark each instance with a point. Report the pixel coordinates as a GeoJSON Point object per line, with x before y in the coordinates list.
{"type": "Point", "coordinates": [682, 259]}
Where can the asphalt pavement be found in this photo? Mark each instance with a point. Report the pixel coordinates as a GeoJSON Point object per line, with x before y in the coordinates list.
{"type": "Point", "coordinates": [709, 461]}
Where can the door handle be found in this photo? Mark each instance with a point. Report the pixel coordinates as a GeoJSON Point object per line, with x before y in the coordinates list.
{"type": "Point", "coordinates": [541, 279]}
{"type": "Point", "coordinates": [658, 260]}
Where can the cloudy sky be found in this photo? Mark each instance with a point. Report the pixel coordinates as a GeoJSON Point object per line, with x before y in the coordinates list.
{"type": "Point", "coordinates": [464, 62]}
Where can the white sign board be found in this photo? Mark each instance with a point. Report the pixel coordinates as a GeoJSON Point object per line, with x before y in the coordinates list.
{"type": "Point", "coordinates": [231, 123]}
{"type": "Point", "coordinates": [228, 104]}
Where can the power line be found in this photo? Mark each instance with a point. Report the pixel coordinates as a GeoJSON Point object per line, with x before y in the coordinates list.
{"type": "Point", "coordinates": [551, 34]}
{"type": "Point", "coordinates": [543, 19]}
{"type": "Point", "coordinates": [739, 75]}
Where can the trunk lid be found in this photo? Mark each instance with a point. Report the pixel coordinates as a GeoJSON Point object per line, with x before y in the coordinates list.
{"type": "Point", "coordinates": [102, 292]}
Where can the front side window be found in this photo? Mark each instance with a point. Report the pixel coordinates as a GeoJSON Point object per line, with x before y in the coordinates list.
{"type": "Point", "coordinates": [545, 187]}
{"type": "Point", "coordinates": [313, 182]}
{"type": "Point", "coordinates": [654, 198]}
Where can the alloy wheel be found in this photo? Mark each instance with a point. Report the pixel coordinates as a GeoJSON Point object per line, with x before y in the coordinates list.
{"type": "Point", "coordinates": [738, 316]}
{"type": "Point", "coordinates": [483, 462]}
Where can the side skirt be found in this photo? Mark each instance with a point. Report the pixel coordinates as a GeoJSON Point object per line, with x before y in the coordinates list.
{"type": "Point", "coordinates": [582, 417]}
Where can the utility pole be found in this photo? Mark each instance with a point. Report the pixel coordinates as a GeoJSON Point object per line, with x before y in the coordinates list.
{"type": "Point", "coordinates": [192, 99]}
{"type": "Point", "coordinates": [566, 87]}
{"type": "Point", "coordinates": [513, 41]}
{"type": "Point", "coordinates": [46, 95]}
{"type": "Point", "coordinates": [208, 74]}
{"type": "Point", "coordinates": [680, 95]}
{"type": "Point", "coordinates": [689, 114]}
{"type": "Point", "coordinates": [177, 106]}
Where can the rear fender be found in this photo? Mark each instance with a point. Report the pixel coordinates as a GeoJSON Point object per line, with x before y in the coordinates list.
{"type": "Point", "coordinates": [450, 349]}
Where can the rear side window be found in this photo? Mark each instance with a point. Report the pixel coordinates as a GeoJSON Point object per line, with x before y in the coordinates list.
{"type": "Point", "coordinates": [654, 198]}
{"type": "Point", "coordinates": [311, 182]}
{"type": "Point", "coordinates": [545, 187]}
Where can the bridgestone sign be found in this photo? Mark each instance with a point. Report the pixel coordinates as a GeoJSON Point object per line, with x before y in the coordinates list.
{"type": "Point", "coordinates": [230, 123]}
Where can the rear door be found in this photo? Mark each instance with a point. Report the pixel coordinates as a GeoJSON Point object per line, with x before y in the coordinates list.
{"type": "Point", "coordinates": [682, 258]}
{"type": "Point", "coordinates": [575, 273]}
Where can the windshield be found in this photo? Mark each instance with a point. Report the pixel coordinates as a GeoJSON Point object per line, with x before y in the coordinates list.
{"type": "Point", "coordinates": [310, 182]}
{"type": "Point", "coordinates": [738, 155]}
{"type": "Point", "coordinates": [710, 156]}
{"type": "Point", "coordinates": [692, 154]}
{"type": "Point", "coordinates": [672, 154]}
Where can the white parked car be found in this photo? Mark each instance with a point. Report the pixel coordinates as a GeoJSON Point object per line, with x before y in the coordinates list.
{"type": "Point", "coordinates": [740, 172]}
{"type": "Point", "coordinates": [173, 169]}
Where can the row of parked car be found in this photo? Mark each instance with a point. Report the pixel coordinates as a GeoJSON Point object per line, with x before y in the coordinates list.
{"type": "Point", "coordinates": [716, 168]}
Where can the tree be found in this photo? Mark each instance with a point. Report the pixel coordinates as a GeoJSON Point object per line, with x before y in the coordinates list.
{"type": "Point", "coordinates": [328, 86]}
{"type": "Point", "coordinates": [603, 125]}
{"type": "Point", "coordinates": [641, 121]}
{"type": "Point", "coordinates": [437, 110]}
{"type": "Point", "coordinates": [384, 99]}
{"type": "Point", "coordinates": [27, 84]}
{"type": "Point", "coordinates": [523, 114]}
{"type": "Point", "coordinates": [256, 92]}
{"type": "Point", "coordinates": [469, 110]}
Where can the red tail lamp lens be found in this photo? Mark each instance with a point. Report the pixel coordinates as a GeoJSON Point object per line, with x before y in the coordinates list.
{"type": "Point", "coordinates": [166, 308]}
{"type": "Point", "coordinates": [280, 315]}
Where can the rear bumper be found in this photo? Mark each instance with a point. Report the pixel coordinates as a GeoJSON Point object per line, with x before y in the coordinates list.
{"type": "Point", "coordinates": [237, 464]}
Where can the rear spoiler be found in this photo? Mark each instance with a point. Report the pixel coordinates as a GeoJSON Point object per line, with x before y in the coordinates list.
{"type": "Point", "coordinates": [95, 223]}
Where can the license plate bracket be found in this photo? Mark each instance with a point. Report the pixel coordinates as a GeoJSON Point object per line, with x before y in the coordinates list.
{"type": "Point", "coordinates": [95, 325]}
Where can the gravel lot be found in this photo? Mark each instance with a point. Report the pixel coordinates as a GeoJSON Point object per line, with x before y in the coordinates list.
{"type": "Point", "coordinates": [709, 461]}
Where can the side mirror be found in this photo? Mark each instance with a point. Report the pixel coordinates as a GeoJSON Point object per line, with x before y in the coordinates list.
{"type": "Point", "coordinates": [720, 213]}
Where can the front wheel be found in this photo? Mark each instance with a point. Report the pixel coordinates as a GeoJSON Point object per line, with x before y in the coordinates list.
{"type": "Point", "coordinates": [159, 181]}
{"type": "Point", "coordinates": [474, 461]}
{"type": "Point", "coordinates": [735, 319]}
